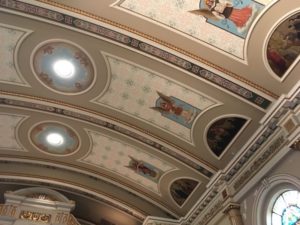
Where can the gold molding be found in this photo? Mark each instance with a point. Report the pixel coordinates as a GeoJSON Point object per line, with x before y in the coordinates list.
{"type": "Point", "coordinates": [161, 42]}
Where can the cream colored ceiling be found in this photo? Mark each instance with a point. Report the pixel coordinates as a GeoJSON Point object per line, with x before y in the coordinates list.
{"type": "Point", "coordinates": [134, 60]}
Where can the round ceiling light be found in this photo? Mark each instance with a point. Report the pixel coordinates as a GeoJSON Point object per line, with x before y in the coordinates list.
{"type": "Point", "coordinates": [64, 68]}
{"type": "Point", "coordinates": [55, 139]}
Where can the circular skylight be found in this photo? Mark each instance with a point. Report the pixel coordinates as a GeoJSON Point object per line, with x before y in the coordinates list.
{"type": "Point", "coordinates": [64, 68]}
{"type": "Point", "coordinates": [55, 139]}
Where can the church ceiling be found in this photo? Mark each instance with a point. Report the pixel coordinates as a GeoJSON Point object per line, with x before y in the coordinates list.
{"type": "Point", "coordinates": [90, 99]}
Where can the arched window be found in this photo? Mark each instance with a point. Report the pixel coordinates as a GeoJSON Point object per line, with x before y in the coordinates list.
{"type": "Point", "coordinates": [286, 209]}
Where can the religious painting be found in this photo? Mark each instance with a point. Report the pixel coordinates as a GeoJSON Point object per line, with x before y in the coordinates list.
{"type": "Point", "coordinates": [222, 132]}
{"type": "Point", "coordinates": [181, 189]}
{"type": "Point", "coordinates": [234, 16]}
{"type": "Point", "coordinates": [176, 110]}
{"type": "Point", "coordinates": [144, 169]}
{"type": "Point", "coordinates": [284, 45]}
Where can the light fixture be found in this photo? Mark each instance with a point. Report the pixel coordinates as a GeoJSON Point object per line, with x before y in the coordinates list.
{"type": "Point", "coordinates": [55, 139]}
{"type": "Point", "coordinates": [64, 68]}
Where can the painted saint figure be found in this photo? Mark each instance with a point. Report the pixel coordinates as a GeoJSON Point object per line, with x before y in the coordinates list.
{"type": "Point", "coordinates": [176, 109]}
{"type": "Point", "coordinates": [143, 168]}
{"type": "Point", "coordinates": [222, 10]}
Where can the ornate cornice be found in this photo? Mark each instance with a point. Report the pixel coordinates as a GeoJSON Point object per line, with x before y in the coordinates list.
{"type": "Point", "coordinates": [259, 163]}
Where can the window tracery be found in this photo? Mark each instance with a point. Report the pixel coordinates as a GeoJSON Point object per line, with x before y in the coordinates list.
{"type": "Point", "coordinates": [286, 209]}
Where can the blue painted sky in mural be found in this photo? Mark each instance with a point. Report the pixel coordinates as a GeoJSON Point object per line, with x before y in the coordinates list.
{"type": "Point", "coordinates": [177, 110]}
{"type": "Point", "coordinates": [242, 15]}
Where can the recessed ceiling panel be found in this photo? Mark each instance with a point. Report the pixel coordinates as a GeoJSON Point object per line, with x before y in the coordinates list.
{"type": "Point", "coordinates": [127, 161]}
{"type": "Point", "coordinates": [153, 98]}
{"type": "Point", "coordinates": [10, 39]}
{"type": "Point", "coordinates": [9, 124]}
{"type": "Point", "coordinates": [221, 24]}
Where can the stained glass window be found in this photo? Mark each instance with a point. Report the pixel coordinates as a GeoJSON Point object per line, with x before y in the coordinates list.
{"type": "Point", "coordinates": [286, 209]}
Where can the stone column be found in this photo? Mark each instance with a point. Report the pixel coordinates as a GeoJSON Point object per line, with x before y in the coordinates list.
{"type": "Point", "coordinates": [234, 214]}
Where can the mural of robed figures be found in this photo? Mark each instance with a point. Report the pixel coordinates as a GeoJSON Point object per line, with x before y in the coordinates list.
{"type": "Point", "coordinates": [176, 110]}
{"type": "Point", "coordinates": [181, 189]}
{"type": "Point", "coordinates": [144, 169]}
{"type": "Point", "coordinates": [222, 132]}
{"type": "Point", "coordinates": [284, 45]}
{"type": "Point", "coordinates": [234, 16]}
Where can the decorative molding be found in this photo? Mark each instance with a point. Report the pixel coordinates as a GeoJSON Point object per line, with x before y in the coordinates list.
{"type": "Point", "coordinates": [211, 213]}
{"type": "Point", "coordinates": [286, 106]}
{"type": "Point", "coordinates": [259, 163]}
{"type": "Point", "coordinates": [232, 206]}
{"type": "Point", "coordinates": [105, 124]}
{"type": "Point", "coordinates": [141, 46]}
{"type": "Point", "coordinates": [8, 210]}
{"type": "Point", "coordinates": [35, 216]}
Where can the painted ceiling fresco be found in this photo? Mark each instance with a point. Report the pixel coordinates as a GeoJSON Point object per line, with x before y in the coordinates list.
{"type": "Point", "coordinates": [73, 81]}
{"type": "Point", "coordinates": [222, 132]}
{"type": "Point", "coordinates": [153, 98]}
{"type": "Point", "coordinates": [9, 124]}
{"type": "Point", "coordinates": [125, 160]}
{"type": "Point", "coordinates": [10, 37]}
{"type": "Point", "coordinates": [66, 141]}
{"type": "Point", "coordinates": [181, 189]}
{"type": "Point", "coordinates": [284, 46]}
{"type": "Point", "coordinates": [222, 24]}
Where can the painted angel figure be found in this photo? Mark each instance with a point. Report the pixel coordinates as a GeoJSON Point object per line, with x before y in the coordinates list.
{"type": "Point", "coordinates": [223, 9]}
{"type": "Point", "coordinates": [142, 168]}
{"type": "Point", "coordinates": [168, 106]}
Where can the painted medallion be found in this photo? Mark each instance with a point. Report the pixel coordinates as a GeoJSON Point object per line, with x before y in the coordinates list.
{"type": "Point", "coordinates": [54, 138]}
{"type": "Point", "coordinates": [63, 67]}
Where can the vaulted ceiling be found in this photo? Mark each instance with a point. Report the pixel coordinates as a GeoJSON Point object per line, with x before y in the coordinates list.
{"type": "Point", "coordinates": [134, 104]}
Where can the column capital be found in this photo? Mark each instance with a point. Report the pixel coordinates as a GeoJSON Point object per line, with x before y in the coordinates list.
{"type": "Point", "coordinates": [231, 206]}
